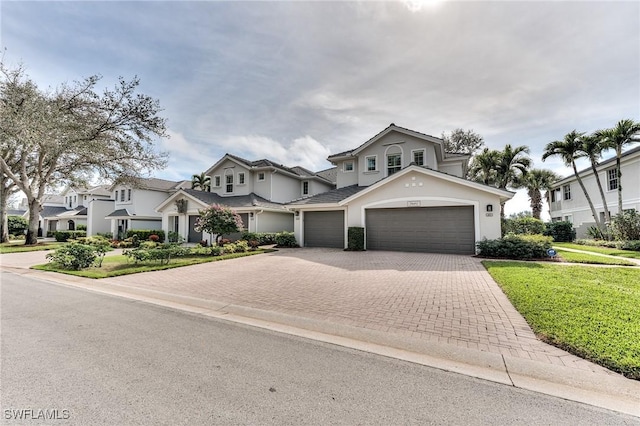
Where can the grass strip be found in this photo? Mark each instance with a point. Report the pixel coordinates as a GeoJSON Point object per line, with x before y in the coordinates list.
{"type": "Point", "coordinates": [118, 265]}
{"type": "Point", "coordinates": [591, 312]}
{"type": "Point", "coordinates": [573, 257]}
{"type": "Point", "coordinates": [19, 247]}
{"type": "Point", "coordinates": [602, 250]}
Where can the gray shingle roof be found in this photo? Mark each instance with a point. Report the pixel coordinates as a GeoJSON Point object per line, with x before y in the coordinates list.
{"type": "Point", "coordinates": [238, 201]}
{"type": "Point", "coordinates": [330, 174]}
{"type": "Point", "coordinates": [120, 213]}
{"type": "Point", "coordinates": [50, 211]}
{"type": "Point", "coordinates": [333, 196]}
{"type": "Point", "coordinates": [18, 212]}
{"type": "Point", "coordinates": [297, 170]}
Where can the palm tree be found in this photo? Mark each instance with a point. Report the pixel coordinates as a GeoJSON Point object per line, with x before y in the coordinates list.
{"type": "Point", "coordinates": [626, 132]}
{"type": "Point", "coordinates": [512, 166]}
{"type": "Point", "coordinates": [483, 167]}
{"type": "Point", "coordinates": [592, 149]}
{"type": "Point", "coordinates": [568, 150]}
{"type": "Point", "coordinates": [201, 181]}
{"type": "Point", "coordinates": [535, 181]}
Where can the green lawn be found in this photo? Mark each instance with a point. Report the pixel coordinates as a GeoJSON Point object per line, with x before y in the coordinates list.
{"type": "Point", "coordinates": [113, 266]}
{"type": "Point", "coordinates": [19, 247]}
{"type": "Point", "coordinates": [572, 257]}
{"type": "Point", "coordinates": [591, 312]}
{"type": "Point", "coordinates": [603, 250]}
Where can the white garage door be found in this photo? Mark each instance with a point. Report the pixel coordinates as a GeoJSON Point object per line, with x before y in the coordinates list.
{"type": "Point", "coordinates": [423, 229]}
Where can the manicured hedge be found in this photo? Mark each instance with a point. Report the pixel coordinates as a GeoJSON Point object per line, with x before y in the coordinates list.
{"type": "Point", "coordinates": [355, 238]}
{"type": "Point", "coordinates": [143, 234]}
{"type": "Point", "coordinates": [561, 232]}
{"type": "Point", "coordinates": [62, 236]}
{"type": "Point", "coordinates": [515, 247]}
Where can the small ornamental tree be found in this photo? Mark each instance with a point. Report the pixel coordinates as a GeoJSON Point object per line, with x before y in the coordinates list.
{"type": "Point", "coordinates": [218, 220]}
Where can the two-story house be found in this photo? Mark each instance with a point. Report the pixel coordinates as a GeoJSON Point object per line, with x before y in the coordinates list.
{"type": "Point", "coordinates": [407, 193]}
{"type": "Point", "coordinates": [567, 201]}
{"type": "Point", "coordinates": [256, 190]}
{"type": "Point", "coordinates": [135, 202]}
{"type": "Point", "coordinates": [73, 208]}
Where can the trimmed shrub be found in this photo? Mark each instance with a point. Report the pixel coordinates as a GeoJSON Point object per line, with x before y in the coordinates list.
{"type": "Point", "coordinates": [633, 245]}
{"type": "Point", "coordinates": [64, 236]}
{"type": "Point", "coordinates": [355, 238]}
{"type": "Point", "coordinates": [286, 239]}
{"type": "Point", "coordinates": [74, 256]}
{"type": "Point", "coordinates": [100, 245]}
{"type": "Point", "coordinates": [263, 238]}
{"type": "Point", "coordinates": [625, 226]}
{"type": "Point", "coordinates": [523, 226]}
{"type": "Point", "coordinates": [242, 246]}
{"type": "Point", "coordinates": [144, 234]}
{"type": "Point", "coordinates": [174, 237]}
{"type": "Point", "coordinates": [561, 232]}
{"type": "Point", "coordinates": [81, 228]}
{"type": "Point", "coordinates": [162, 253]}
{"type": "Point", "coordinates": [515, 247]}
{"type": "Point", "coordinates": [16, 225]}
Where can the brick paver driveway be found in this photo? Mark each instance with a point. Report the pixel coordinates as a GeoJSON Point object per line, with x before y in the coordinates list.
{"type": "Point", "coordinates": [439, 298]}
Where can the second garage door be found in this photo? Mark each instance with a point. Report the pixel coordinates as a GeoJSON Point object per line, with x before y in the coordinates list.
{"type": "Point", "coordinates": [324, 229]}
{"type": "Point", "coordinates": [423, 229]}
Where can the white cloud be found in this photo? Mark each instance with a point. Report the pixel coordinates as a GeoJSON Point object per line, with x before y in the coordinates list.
{"type": "Point", "coordinates": [303, 151]}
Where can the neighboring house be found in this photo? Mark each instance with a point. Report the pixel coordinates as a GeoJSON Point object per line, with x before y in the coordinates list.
{"type": "Point", "coordinates": [134, 204]}
{"type": "Point", "coordinates": [567, 200]}
{"type": "Point", "coordinates": [407, 193]}
{"type": "Point", "coordinates": [257, 190]}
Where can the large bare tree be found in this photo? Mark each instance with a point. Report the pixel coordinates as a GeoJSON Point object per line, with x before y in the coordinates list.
{"type": "Point", "coordinates": [65, 135]}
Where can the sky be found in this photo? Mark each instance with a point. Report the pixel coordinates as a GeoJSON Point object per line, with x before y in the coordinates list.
{"type": "Point", "coordinates": [297, 81]}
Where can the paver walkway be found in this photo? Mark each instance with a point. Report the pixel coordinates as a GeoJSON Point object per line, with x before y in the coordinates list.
{"type": "Point", "coordinates": [439, 298]}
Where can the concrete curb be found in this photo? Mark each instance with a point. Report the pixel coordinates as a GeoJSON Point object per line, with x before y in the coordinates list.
{"type": "Point", "coordinates": [609, 391]}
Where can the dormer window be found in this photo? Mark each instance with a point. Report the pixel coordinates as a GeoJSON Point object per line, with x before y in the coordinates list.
{"type": "Point", "coordinates": [122, 195]}
{"type": "Point", "coordinates": [372, 165]}
{"type": "Point", "coordinates": [418, 157]}
{"type": "Point", "coordinates": [216, 181]}
{"type": "Point", "coordinates": [241, 178]}
{"type": "Point", "coordinates": [229, 182]}
{"type": "Point", "coordinates": [261, 176]}
{"type": "Point", "coordinates": [394, 163]}
{"type": "Point", "coordinates": [348, 166]}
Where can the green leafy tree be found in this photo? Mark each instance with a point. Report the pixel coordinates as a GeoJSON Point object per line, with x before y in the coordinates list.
{"type": "Point", "coordinates": [513, 164]}
{"type": "Point", "coordinates": [483, 167]}
{"type": "Point", "coordinates": [568, 149]}
{"type": "Point", "coordinates": [535, 181]}
{"type": "Point", "coordinates": [201, 181]}
{"type": "Point", "coordinates": [462, 141]}
{"type": "Point", "coordinates": [624, 133]}
{"type": "Point", "coordinates": [17, 224]}
{"type": "Point", "coordinates": [219, 221]}
{"type": "Point", "coordinates": [64, 136]}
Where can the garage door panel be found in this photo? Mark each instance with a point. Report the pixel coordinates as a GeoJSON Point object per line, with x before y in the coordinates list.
{"type": "Point", "coordinates": [426, 229]}
{"type": "Point", "coordinates": [324, 229]}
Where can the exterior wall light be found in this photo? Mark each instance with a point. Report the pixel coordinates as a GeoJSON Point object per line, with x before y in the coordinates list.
{"type": "Point", "coordinates": [489, 207]}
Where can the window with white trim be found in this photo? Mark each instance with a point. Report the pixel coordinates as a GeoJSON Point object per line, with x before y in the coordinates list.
{"type": "Point", "coordinates": [371, 161]}
{"type": "Point", "coordinates": [122, 195]}
{"type": "Point", "coordinates": [305, 187]}
{"type": "Point", "coordinates": [394, 163]}
{"type": "Point", "coordinates": [241, 178]}
{"type": "Point", "coordinates": [216, 181]}
{"type": "Point", "coordinates": [129, 194]}
{"type": "Point", "coordinates": [612, 178]}
{"type": "Point", "coordinates": [348, 166]}
{"type": "Point", "coordinates": [566, 192]}
{"type": "Point", "coordinates": [229, 183]}
{"type": "Point", "coordinates": [418, 156]}
{"type": "Point", "coordinates": [261, 176]}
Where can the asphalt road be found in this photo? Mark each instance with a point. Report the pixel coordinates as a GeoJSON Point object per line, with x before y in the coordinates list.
{"type": "Point", "coordinates": [91, 359]}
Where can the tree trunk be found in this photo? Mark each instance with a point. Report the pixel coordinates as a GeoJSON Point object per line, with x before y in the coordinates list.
{"type": "Point", "coordinates": [32, 230]}
{"type": "Point", "coordinates": [618, 155]}
{"type": "Point", "coordinates": [4, 226]}
{"type": "Point", "coordinates": [586, 195]}
{"type": "Point", "coordinates": [536, 203]}
{"type": "Point", "coordinates": [607, 215]}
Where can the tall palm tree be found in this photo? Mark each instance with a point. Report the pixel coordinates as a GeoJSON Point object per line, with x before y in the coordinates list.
{"type": "Point", "coordinates": [592, 148]}
{"type": "Point", "coordinates": [535, 181]}
{"type": "Point", "coordinates": [512, 165]}
{"type": "Point", "coordinates": [201, 181]}
{"type": "Point", "coordinates": [483, 167]}
{"type": "Point", "coordinates": [624, 133]}
{"type": "Point", "coordinates": [568, 150]}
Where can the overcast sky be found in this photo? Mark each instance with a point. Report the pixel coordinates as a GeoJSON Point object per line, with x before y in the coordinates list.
{"type": "Point", "coordinates": [297, 81]}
